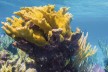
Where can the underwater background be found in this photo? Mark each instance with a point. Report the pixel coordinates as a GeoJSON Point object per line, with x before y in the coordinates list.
{"type": "Point", "coordinates": [89, 15]}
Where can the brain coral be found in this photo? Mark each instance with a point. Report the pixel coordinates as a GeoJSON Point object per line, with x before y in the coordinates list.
{"type": "Point", "coordinates": [35, 24]}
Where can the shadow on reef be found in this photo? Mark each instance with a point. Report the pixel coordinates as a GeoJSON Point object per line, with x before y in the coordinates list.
{"type": "Point", "coordinates": [11, 49]}
{"type": "Point", "coordinates": [45, 35]}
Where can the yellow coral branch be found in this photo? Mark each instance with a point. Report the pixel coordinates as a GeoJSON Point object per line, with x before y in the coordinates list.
{"type": "Point", "coordinates": [34, 23]}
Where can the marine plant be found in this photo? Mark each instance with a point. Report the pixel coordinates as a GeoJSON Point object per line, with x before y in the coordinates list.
{"type": "Point", "coordinates": [103, 45]}
{"type": "Point", "coordinates": [45, 35]}
{"type": "Point", "coordinates": [90, 64]}
{"type": "Point", "coordinates": [82, 59]}
{"type": "Point", "coordinates": [84, 50]}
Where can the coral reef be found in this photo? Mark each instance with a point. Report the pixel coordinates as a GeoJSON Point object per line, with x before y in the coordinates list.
{"type": "Point", "coordinates": [45, 35]}
{"type": "Point", "coordinates": [12, 59]}
{"type": "Point", "coordinates": [15, 63]}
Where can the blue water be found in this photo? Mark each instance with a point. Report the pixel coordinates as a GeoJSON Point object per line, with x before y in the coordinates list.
{"type": "Point", "coordinates": [89, 15]}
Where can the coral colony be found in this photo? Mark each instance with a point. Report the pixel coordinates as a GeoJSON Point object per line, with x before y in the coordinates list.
{"type": "Point", "coordinates": [45, 36]}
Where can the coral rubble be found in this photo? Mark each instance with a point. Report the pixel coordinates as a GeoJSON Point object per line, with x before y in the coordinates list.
{"type": "Point", "coordinates": [45, 35]}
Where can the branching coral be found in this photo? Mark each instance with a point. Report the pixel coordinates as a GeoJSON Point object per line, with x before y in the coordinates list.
{"type": "Point", "coordinates": [84, 50]}
{"type": "Point", "coordinates": [6, 68]}
{"type": "Point", "coordinates": [35, 24]}
{"type": "Point", "coordinates": [86, 64]}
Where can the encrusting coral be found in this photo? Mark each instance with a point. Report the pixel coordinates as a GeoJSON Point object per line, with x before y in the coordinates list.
{"type": "Point", "coordinates": [35, 24]}
{"type": "Point", "coordinates": [45, 35]}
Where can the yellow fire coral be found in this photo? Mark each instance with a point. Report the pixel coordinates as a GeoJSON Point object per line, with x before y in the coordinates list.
{"type": "Point", "coordinates": [35, 24]}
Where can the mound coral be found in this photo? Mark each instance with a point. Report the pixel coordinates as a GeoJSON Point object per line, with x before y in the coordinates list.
{"type": "Point", "coordinates": [45, 35]}
{"type": "Point", "coordinates": [35, 24]}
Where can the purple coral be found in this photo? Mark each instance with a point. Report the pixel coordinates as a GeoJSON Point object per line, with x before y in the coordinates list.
{"type": "Point", "coordinates": [52, 58]}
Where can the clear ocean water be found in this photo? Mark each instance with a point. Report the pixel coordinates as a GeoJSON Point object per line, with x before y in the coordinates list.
{"type": "Point", "coordinates": [89, 15]}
